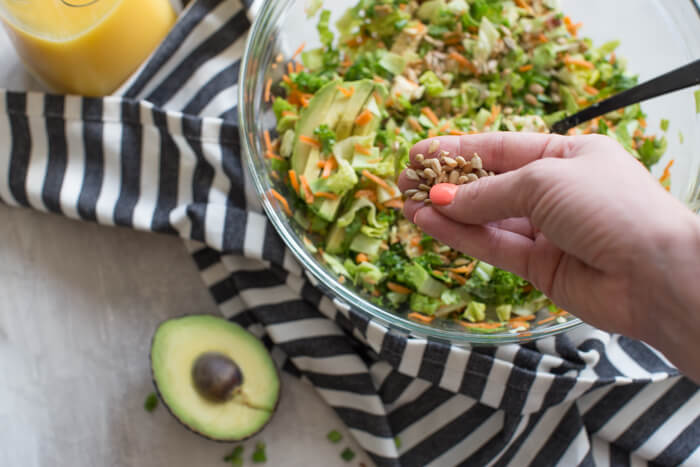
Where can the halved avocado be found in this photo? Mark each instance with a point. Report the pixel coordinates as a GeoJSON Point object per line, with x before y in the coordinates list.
{"type": "Point", "coordinates": [215, 377]}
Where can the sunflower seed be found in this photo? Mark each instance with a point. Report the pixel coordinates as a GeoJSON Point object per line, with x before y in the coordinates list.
{"type": "Point", "coordinates": [442, 178]}
{"type": "Point", "coordinates": [450, 162]}
{"type": "Point", "coordinates": [462, 180]}
{"type": "Point", "coordinates": [472, 178]}
{"type": "Point", "coordinates": [411, 175]}
{"type": "Point", "coordinates": [429, 173]}
{"type": "Point", "coordinates": [536, 88]}
{"type": "Point", "coordinates": [454, 176]}
{"type": "Point", "coordinates": [467, 168]}
{"type": "Point", "coordinates": [461, 161]}
{"type": "Point", "coordinates": [476, 162]}
{"type": "Point", "coordinates": [434, 146]}
{"type": "Point", "coordinates": [419, 158]}
{"type": "Point", "coordinates": [491, 174]}
{"type": "Point", "coordinates": [423, 187]}
{"type": "Point", "coordinates": [410, 192]}
{"type": "Point", "coordinates": [482, 173]}
{"type": "Point", "coordinates": [436, 166]}
{"type": "Point", "coordinates": [427, 201]}
{"type": "Point", "coordinates": [420, 196]}
{"type": "Point", "coordinates": [532, 100]}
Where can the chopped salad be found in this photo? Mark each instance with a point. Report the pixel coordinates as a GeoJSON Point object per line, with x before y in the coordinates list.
{"type": "Point", "coordinates": [397, 72]}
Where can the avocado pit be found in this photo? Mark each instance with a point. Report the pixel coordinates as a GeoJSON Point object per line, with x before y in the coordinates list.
{"type": "Point", "coordinates": [216, 376]}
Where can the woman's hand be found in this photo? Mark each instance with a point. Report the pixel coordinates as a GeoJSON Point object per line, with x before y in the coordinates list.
{"type": "Point", "coordinates": [585, 223]}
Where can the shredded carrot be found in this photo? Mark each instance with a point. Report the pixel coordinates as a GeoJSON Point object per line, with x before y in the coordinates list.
{"type": "Point", "coordinates": [394, 203]}
{"type": "Point", "coordinates": [285, 205]}
{"type": "Point", "coordinates": [299, 50]}
{"type": "Point", "coordinates": [428, 112]}
{"type": "Point", "coordinates": [268, 86]}
{"type": "Point", "coordinates": [394, 287]}
{"type": "Point", "coordinates": [327, 195]}
{"type": "Point", "coordinates": [308, 194]}
{"type": "Point", "coordinates": [457, 132]}
{"type": "Point", "coordinates": [362, 149]}
{"type": "Point", "coordinates": [445, 126]}
{"type": "Point", "coordinates": [516, 323]}
{"type": "Point", "coordinates": [364, 118]}
{"type": "Point", "coordinates": [288, 113]}
{"type": "Point", "coordinates": [480, 325]}
{"type": "Point", "coordinates": [457, 278]}
{"type": "Point", "coordinates": [547, 320]}
{"type": "Point", "coordinates": [667, 171]}
{"type": "Point", "coordinates": [287, 79]}
{"type": "Point", "coordinates": [268, 141]}
{"type": "Point", "coordinates": [361, 258]}
{"type": "Point", "coordinates": [462, 60]}
{"type": "Point", "coordinates": [466, 269]}
{"type": "Point", "coordinates": [290, 68]}
{"type": "Point", "coordinates": [310, 141]}
{"type": "Point", "coordinates": [328, 167]}
{"type": "Point", "coordinates": [347, 92]}
{"type": "Point", "coordinates": [374, 161]}
{"type": "Point", "coordinates": [378, 79]}
{"type": "Point", "coordinates": [578, 62]}
{"type": "Point", "coordinates": [397, 130]}
{"type": "Point", "coordinates": [414, 124]}
{"type": "Point", "coordinates": [495, 112]}
{"type": "Point", "coordinates": [293, 180]}
{"type": "Point", "coordinates": [432, 133]}
{"type": "Point", "coordinates": [421, 317]}
{"type": "Point", "coordinates": [415, 241]}
{"type": "Point", "coordinates": [571, 27]}
{"type": "Point", "coordinates": [369, 194]}
{"type": "Point", "coordinates": [642, 122]}
{"type": "Point", "coordinates": [379, 181]}
{"type": "Point", "coordinates": [613, 58]}
{"type": "Point", "coordinates": [320, 164]}
{"type": "Point", "coordinates": [346, 63]}
{"type": "Point", "coordinates": [523, 318]}
{"type": "Point", "coordinates": [525, 68]}
{"type": "Point", "coordinates": [522, 4]}
{"type": "Point", "coordinates": [272, 155]}
{"type": "Point", "coordinates": [591, 90]}
{"type": "Point", "coordinates": [299, 67]}
{"type": "Point", "coordinates": [304, 98]}
{"type": "Point", "coordinates": [341, 279]}
{"type": "Point", "coordinates": [542, 38]}
{"type": "Point", "coordinates": [279, 58]}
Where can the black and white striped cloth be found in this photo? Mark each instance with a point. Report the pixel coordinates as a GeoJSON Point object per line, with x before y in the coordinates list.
{"type": "Point", "coordinates": [162, 155]}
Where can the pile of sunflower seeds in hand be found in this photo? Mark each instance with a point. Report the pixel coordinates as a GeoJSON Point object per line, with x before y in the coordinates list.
{"type": "Point", "coordinates": [443, 168]}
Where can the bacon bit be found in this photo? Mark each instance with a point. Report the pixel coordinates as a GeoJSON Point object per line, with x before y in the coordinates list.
{"type": "Point", "coordinates": [420, 317]}
{"type": "Point", "coordinates": [268, 141]}
{"type": "Point", "coordinates": [272, 155]}
{"type": "Point", "coordinates": [361, 258]}
{"type": "Point", "coordinates": [299, 50]}
{"type": "Point", "coordinates": [310, 141]}
{"type": "Point", "coordinates": [394, 287]}
{"type": "Point", "coordinates": [288, 113]}
{"type": "Point", "coordinates": [667, 171]}
{"type": "Point", "coordinates": [547, 320]}
{"type": "Point", "coordinates": [364, 118]}
{"type": "Point", "coordinates": [613, 58]}
{"type": "Point", "coordinates": [379, 182]}
{"type": "Point", "coordinates": [362, 149]}
{"type": "Point", "coordinates": [428, 112]}
{"type": "Point", "coordinates": [293, 180]}
{"type": "Point", "coordinates": [369, 194]}
{"type": "Point", "coordinates": [290, 68]}
{"type": "Point", "coordinates": [327, 195]}
{"type": "Point", "coordinates": [578, 62]}
{"type": "Point", "coordinates": [457, 278]}
{"type": "Point", "coordinates": [347, 92]}
{"type": "Point", "coordinates": [394, 203]}
{"type": "Point", "coordinates": [285, 205]}
{"type": "Point", "coordinates": [642, 122]}
{"type": "Point", "coordinates": [299, 68]}
{"type": "Point", "coordinates": [522, 4]}
{"type": "Point", "coordinates": [328, 167]}
{"type": "Point", "coordinates": [466, 269]}
{"type": "Point", "coordinates": [462, 60]}
{"type": "Point", "coordinates": [457, 132]}
{"type": "Point", "coordinates": [415, 124]}
{"type": "Point", "coordinates": [591, 90]}
{"type": "Point", "coordinates": [268, 86]}
{"type": "Point", "coordinates": [308, 194]}
{"type": "Point", "coordinates": [525, 68]}
{"type": "Point", "coordinates": [480, 325]}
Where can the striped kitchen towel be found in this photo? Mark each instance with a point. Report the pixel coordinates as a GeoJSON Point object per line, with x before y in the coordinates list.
{"type": "Point", "coordinates": [163, 155]}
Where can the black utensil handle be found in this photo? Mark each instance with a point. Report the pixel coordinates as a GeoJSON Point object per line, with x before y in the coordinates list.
{"type": "Point", "coordinates": [680, 78]}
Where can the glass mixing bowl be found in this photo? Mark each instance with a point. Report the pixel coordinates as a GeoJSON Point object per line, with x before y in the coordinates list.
{"type": "Point", "coordinates": [656, 36]}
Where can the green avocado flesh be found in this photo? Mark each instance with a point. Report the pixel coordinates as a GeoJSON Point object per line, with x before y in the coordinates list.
{"type": "Point", "coordinates": [177, 345]}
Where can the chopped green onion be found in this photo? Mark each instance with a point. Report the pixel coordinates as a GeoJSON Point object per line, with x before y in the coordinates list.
{"type": "Point", "coordinates": [347, 455]}
{"type": "Point", "coordinates": [697, 101]}
{"type": "Point", "coordinates": [235, 458]}
{"type": "Point", "coordinates": [334, 436]}
{"type": "Point", "coordinates": [681, 139]}
{"type": "Point", "coordinates": [151, 402]}
{"type": "Point", "coordinates": [397, 442]}
{"type": "Point", "coordinates": [664, 124]}
{"type": "Point", "coordinates": [259, 455]}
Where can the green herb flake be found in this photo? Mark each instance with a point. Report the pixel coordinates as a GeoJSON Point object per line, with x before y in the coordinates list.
{"type": "Point", "coordinates": [334, 436]}
{"type": "Point", "coordinates": [347, 455]}
{"type": "Point", "coordinates": [151, 402]}
{"type": "Point", "coordinates": [259, 455]}
{"type": "Point", "coordinates": [664, 124]}
{"type": "Point", "coordinates": [681, 138]}
{"type": "Point", "coordinates": [397, 442]}
{"type": "Point", "coordinates": [235, 458]}
{"type": "Point", "coordinates": [697, 101]}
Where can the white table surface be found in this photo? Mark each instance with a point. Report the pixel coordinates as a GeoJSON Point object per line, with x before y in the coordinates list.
{"type": "Point", "coordinates": [78, 306]}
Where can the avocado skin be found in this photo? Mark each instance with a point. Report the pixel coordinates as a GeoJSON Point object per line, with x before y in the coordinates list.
{"type": "Point", "coordinates": [176, 417]}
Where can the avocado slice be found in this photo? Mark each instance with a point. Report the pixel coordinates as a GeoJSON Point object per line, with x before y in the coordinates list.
{"type": "Point", "coordinates": [215, 377]}
{"type": "Point", "coordinates": [352, 106]}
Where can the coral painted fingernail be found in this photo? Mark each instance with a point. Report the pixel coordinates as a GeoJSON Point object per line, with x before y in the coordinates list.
{"type": "Point", "coordinates": [443, 193]}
